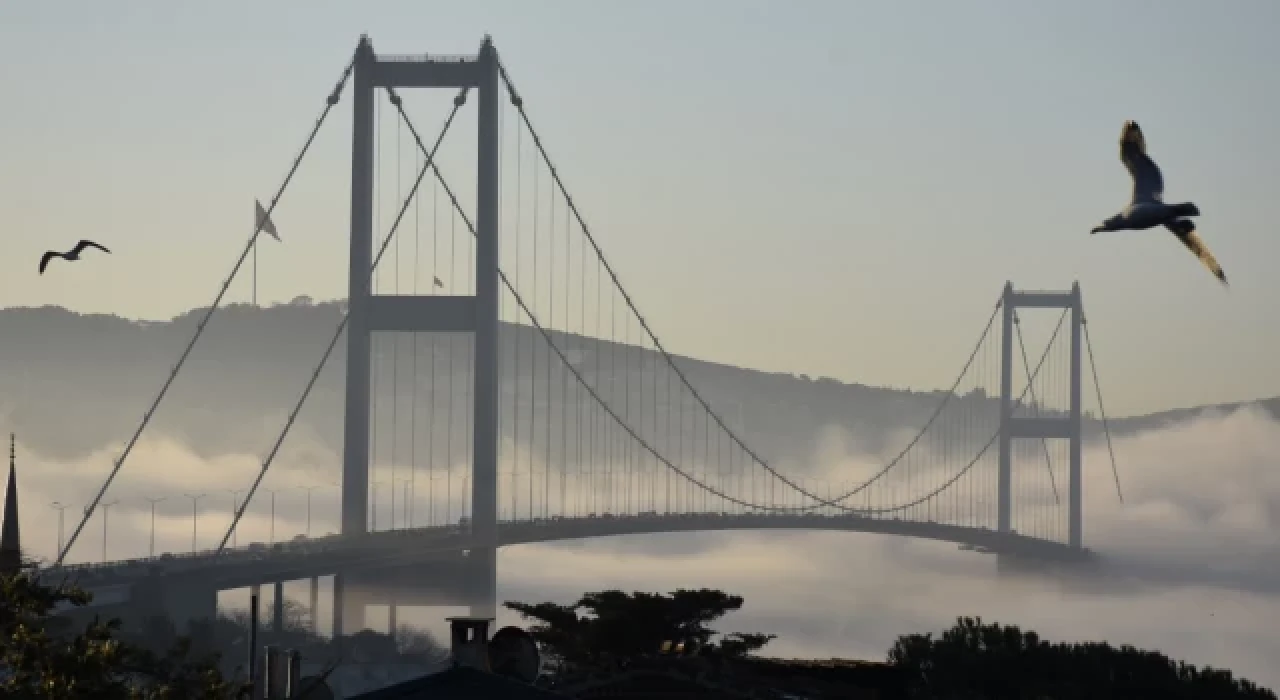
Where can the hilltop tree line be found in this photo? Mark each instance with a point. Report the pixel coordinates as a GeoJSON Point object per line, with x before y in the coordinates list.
{"type": "Point", "coordinates": [40, 658]}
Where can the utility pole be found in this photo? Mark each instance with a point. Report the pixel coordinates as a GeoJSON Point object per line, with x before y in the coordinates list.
{"type": "Point", "coordinates": [153, 501]}
{"type": "Point", "coordinates": [235, 506]}
{"type": "Point", "coordinates": [60, 507]}
{"type": "Point", "coordinates": [194, 513]}
{"type": "Point", "coordinates": [105, 507]}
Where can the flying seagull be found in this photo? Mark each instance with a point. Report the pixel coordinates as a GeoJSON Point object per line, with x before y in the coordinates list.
{"type": "Point", "coordinates": [1147, 208]}
{"type": "Point", "coordinates": [73, 254]}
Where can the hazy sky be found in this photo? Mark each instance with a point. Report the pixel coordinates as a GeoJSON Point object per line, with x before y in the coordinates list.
{"type": "Point", "coordinates": [835, 188]}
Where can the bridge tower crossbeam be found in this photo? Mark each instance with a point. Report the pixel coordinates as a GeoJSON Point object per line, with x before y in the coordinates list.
{"type": "Point", "coordinates": [371, 313]}
{"type": "Point", "coordinates": [1064, 428]}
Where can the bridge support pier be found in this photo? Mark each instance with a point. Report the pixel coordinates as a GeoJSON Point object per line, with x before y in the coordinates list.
{"type": "Point", "coordinates": [277, 607]}
{"type": "Point", "coordinates": [484, 583]}
{"type": "Point", "coordinates": [313, 608]}
{"type": "Point", "coordinates": [348, 607]}
{"type": "Point", "coordinates": [186, 604]}
{"type": "Point", "coordinates": [1038, 428]}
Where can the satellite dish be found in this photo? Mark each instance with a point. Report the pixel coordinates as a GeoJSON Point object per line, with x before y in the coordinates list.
{"type": "Point", "coordinates": [513, 653]}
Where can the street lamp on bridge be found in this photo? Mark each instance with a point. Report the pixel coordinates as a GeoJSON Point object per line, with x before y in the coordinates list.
{"type": "Point", "coordinates": [309, 489]}
{"type": "Point", "coordinates": [194, 513]}
{"type": "Point", "coordinates": [105, 507]}
{"type": "Point", "coordinates": [60, 507]}
{"type": "Point", "coordinates": [235, 506]}
{"type": "Point", "coordinates": [151, 552]}
{"type": "Point", "coordinates": [273, 510]}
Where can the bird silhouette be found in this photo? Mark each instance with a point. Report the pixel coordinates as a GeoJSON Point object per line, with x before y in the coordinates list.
{"type": "Point", "coordinates": [1147, 208]}
{"type": "Point", "coordinates": [73, 254]}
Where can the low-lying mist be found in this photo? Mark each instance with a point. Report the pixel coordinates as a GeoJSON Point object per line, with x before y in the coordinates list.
{"type": "Point", "coordinates": [1192, 555]}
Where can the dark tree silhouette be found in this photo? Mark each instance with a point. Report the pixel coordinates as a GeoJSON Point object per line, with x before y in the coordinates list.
{"type": "Point", "coordinates": [41, 662]}
{"type": "Point", "coordinates": [618, 625]}
{"type": "Point", "coordinates": [740, 644]}
{"type": "Point", "coordinates": [976, 660]}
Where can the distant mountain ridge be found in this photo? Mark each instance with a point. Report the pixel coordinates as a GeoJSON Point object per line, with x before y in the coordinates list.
{"type": "Point", "coordinates": [71, 383]}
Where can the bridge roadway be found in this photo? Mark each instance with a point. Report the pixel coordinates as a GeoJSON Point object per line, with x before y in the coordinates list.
{"type": "Point", "coordinates": [306, 558]}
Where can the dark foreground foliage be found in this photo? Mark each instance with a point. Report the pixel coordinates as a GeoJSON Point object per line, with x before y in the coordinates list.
{"type": "Point", "coordinates": [616, 625]}
{"type": "Point", "coordinates": [38, 660]}
{"type": "Point", "coordinates": [976, 660]}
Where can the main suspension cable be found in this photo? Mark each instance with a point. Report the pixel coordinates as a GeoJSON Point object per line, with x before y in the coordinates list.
{"type": "Point", "coordinates": [518, 102]}
{"type": "Point", "coordinates": [330, 101]}
{"type": "Point", "coordinates": [609, 410]}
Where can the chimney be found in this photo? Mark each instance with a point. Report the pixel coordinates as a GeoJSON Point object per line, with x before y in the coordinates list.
{"type": "Point", "coordinates": [10, 537]}
{"type": "Point", "coordinates": [273, 682]}
{"type": "Point", "coordinates": [469, 641]}
{"type": "Point", "coordinates": [293, 674]}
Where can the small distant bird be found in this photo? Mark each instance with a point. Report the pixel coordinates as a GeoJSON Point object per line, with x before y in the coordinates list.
{"type": "Point", "coordinates": [1147, 208]}
{"type": "Point", "coordinates": [73, 254]}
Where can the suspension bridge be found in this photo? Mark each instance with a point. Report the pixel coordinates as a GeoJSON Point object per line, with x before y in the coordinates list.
{"type": "Point", "coordinates": [501, 380]}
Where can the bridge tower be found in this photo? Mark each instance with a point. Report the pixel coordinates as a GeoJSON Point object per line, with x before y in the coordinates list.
{"type": "Point", "coordinates": [372, 313]}
{"type": "Point", "coordinates": [1068, 428]}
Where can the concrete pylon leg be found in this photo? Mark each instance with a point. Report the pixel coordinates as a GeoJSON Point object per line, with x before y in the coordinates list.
{"type": "Point", "coordinates": [314, 608]}
{"type": "Point", "coordinates": [277, 607]}
{"type": "Point", "coordinates": [348, 608]}
{"type": "Point", "coordinates": [484, 587]}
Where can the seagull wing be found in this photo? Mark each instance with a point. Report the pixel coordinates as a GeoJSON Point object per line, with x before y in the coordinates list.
{"type": "Point", "coordinates": [44, 259]}
{"type": "Point", "coordinates": [1188, 236]}
{"type": "Point", "coordinates": [89, 244]}
{"type": "Point", "coordinates": [1148, 183]}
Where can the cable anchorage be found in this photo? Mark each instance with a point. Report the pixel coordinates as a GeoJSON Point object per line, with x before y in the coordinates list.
{"type": "Point", "coordinates": [330, 101]}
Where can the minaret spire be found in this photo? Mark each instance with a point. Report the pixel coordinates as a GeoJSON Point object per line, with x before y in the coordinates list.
{"type": "Point", "coordinates": [10, 537]}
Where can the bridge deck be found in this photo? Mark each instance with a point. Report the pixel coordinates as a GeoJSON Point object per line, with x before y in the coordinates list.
{"type": "Point", "coordinates": [303, 558]}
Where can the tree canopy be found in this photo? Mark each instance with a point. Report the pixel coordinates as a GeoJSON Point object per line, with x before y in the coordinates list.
{"type": "Point", "coordinates": [37, 661]}
{"type": "Point", "coordinates": [615, 624]}
{"type": "Point", "coordinates": [977, 660]}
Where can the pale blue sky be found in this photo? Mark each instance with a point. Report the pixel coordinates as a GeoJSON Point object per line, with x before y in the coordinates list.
{"type": "Point", "coordinates": [835, 188]}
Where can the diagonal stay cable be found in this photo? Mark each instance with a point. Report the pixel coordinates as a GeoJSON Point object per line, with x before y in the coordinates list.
{"type": "Point", "coordinates": [1048, 462]}
{"type": "Point", "coordinates": [1097, 389]}
{"type": "Point", "coordinates": [591, 389]}
{"type": "Point", "coordinates": [342, 325]}
{"type": "Point", "coordinates": [518, 102]}
{"type": "Point", "coordinates": [330, 101]}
